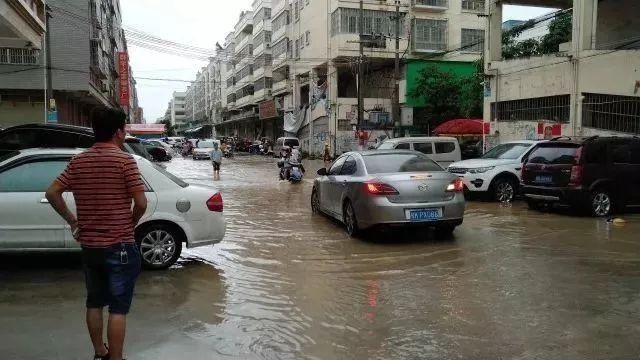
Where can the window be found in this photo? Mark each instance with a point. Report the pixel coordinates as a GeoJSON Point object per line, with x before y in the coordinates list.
{"type": "Point", "coordinates": [31, 177]}
{"type": "Point", "coordinates": [403, 146]}
{"type": "Point", "coordinates": [17, 140]}
{"type": "Point", "coordinates": [445, 147]}
{"type": "Point", "coordinates": [553, 108]}
{"type": "Point", "coordinates": [507, 151]}
{"type": "Point", "coordinates": [345, 21]}
{"type": "Point", "coordinates": [18, 56]}
{"type": "Point", "coordinates": [350, 166]}
{"type": "Point", "coordinates": [171, 177]}
{"type": "Point", "coordinates": [430, 35]}
{"type": "Point", "coordinates": [399, 162]}
{"type": "Point", "coordinates": [301, 44]}
{"type": "Point", "coordinates": [425, 148]}
{"type": "Point", "coordinates": [473, 5]}
{"type": "Point", "coordinates": [281, 21]}
{"type": "Point", "coordinates": [337, 166]}
{"type": "Point", "coordinates": [307, 35]}
{"type": "Point", "coordinates": [296, 11]}
{"type": "Point", "coordinates": [297, 49]}
{"type": "Point", "coordinates": [472, 40]}
{"type": "Point", "coordinates": [554, 155]}
{"type": "Point", "coordinates": [626, 152]}
{"type": "Point", "coordinates": [280, 48]}
{"type": "Point", "coordinates": [611, 112]}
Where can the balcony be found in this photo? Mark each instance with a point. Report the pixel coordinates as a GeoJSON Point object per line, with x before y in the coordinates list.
{"type": "Point", "coordinates": [279, 34]}
{"type": "Point", "coordinates": [264, 71]}
{"type": "Point", "coordinates": [244, 101]}
{"type": "Point", "coordinates": [281, 87]}
{"type": "Point", "coordinates": [280, 61]}
{"type": "Point", "coordinates": [261, 94]}
{"type": "Point", "coordinates": [247, 40]}
{"type": "Point", "coordinates": [278, 6]}
{"type": "Point", "coordinates": [245, 24]}
{"type": "Point", "coordinates": [431, 5]}
{"type": "Point", "coordinates": [249, 114]}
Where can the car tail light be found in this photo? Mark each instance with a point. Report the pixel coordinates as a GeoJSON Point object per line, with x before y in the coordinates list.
{"type": "Point", "coordinates": [215, 203]}
{"type": "Point", "coordinates": [374, 188]}
{"type": "Point", "coordinates": [576, 170]}
{"type": "Point", "coordinates": [456, 186]}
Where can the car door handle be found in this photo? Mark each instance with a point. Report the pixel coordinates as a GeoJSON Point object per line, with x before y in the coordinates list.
{"type": "Point", "coordinates": [44, 201]}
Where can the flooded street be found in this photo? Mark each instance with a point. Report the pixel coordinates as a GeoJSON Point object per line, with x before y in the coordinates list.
{"type": "Point", "coordinates": [285, 284]}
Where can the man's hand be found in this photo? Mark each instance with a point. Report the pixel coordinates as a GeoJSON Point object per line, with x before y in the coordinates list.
{"type": "Point", "coordinates": [75, 230]}
{"type": "Point", "coordinates": [54, 195]}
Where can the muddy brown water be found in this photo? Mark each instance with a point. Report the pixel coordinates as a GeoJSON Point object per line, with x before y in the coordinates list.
{"type": "Point", "coordinates": [285, 284]}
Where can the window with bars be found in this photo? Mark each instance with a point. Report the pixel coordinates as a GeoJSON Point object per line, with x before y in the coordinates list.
{"type": "Point", "coordinates": [245, 91]}
{"type": "Point", "coordinates": [430, 35]}
{"type": "Point", "coordinates": [552, 108]}
{"type": "Point", "coordinates": [245, 52]}
{"type": "Point", "coordinates": [263, 83]}
{"type": "Point", "coordinates": [473, 5]}
{"type": "Point", "coordinates": [345, 21]}
{"type": "Point", "coordinates": [611, 112]}
{"type": "Point", "coordinates": [262, 61]}
{"type": "Point", "coordinates": [296, 11]}
{"type": "Point", "coordinates": [297, 49]}
{"type": "Point", "coordinates": [281, 21]}
{"type": "Point", "coordinates": [230, 82]}
{"type": "Point", "coordinates": [472, 40]}
{"type": "Point", "coordinates": [261, 38]}
{"type": "Point", "coordinates": [435, 3]}
{"type": "Point", "coordinates": [244, 72]}
{"type": "Point", "coordinates": [307, 36]}
{"type": "Point", "coordinates": [231, 98]}
{"type": "Point", "coordinates": [262, 14]}
{"type": "Point", "coordinates": [280, 48]}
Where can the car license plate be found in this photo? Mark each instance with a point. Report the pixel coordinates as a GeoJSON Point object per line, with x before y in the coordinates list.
{"type": "Point", "coordinates": [544, 179]}
{"type": "Point", "coordinates": [424, 214]}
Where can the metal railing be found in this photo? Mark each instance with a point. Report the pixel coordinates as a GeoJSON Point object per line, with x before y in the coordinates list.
{"type": "Point", "coordinates": [551, 108]}
{"type": "Point", "coordinates": [611, 112]}
{"type": "Point", "coordinates": [18, 56]}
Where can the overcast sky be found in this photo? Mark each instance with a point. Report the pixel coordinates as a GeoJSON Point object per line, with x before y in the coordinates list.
{"type": "Point", "coordinates": [200, 23]}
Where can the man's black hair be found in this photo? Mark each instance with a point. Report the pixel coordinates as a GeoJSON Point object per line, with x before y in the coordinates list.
{"type": "Point", "coordinates": [106, 122]}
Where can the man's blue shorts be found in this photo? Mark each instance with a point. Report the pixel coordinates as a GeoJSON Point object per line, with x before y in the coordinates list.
{"type": "Point", "coordinates": [110, 276]}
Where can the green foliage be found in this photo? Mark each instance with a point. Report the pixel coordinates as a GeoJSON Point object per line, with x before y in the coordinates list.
{"type": "Point", "coordinates": [448, 96]}
{"type": "Point", "coordinates": [559, 32]}
{"type": "Point", "coordinates": [169, 129]}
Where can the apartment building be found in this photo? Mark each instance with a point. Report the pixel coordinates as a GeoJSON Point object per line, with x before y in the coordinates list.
{"type": "Point", "coordinates": [590, 87]}
{"type": "Point", "coordinates": [176, 111]}
{"type": "Point", "coordinates": [22, 26]}
{"type": "Point", "coordinates": [85, 41]}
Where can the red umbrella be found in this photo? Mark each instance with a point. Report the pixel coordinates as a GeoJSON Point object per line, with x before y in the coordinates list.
{"type": "Point", "coordinates": [462, 127]}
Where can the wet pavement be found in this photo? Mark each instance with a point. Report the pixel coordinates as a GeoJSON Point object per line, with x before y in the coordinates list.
{"type": "Point", "coordinates": [285, 284]}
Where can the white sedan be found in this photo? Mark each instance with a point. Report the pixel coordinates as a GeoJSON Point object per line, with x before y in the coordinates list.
{"type": "Point", "coordinates": [177, 212]}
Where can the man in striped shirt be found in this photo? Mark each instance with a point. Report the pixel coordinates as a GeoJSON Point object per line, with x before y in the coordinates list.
{"type": "Point", "coordinates": [104, 181]}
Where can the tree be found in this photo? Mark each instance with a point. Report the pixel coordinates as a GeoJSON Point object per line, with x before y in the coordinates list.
{"type": "Point", "coordinates": [471, 92]}
{"type": "Point", "coordinates": [441, 92]}
{"type": "Point", "coordinates": [560, 29]}
{"type": "Point", "coordinates": [168, 127]}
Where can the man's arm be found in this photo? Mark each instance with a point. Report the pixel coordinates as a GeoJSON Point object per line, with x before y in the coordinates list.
{"type": "Point", "coordinates": [139, 206]}
{"type": "Point", "coordinates": [54, 195]}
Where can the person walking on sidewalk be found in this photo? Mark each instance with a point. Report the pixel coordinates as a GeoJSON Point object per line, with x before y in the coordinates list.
{"type": "Point", "coordinates": [216, 158]}
{"type": "Point", "coordinates": [104, 181]}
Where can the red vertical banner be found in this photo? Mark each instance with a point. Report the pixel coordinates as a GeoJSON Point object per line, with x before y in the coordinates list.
{"type": "Point", "coordinates": [123, 70]}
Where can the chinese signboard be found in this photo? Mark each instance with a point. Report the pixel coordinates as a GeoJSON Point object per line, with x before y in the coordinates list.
{"type": "Point", "coordinates": [267, 110]}
{"type": "Point", "coordinates": [123, 70]}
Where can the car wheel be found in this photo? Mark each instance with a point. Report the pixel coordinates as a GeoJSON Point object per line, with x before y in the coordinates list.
{"type": "Point", "coordinates": [315, 201]}
{"type": "Point", "coordinates": [160, 246]}
{"type": "Point", "coordinates": [504, 190]}
{"type": "Point", "coordinates": [601, 203]}
{"type": "Point", "coordinates": [350, 221]}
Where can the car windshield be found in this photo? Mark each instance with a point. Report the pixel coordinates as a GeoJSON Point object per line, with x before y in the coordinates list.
{"type": "Point", "coordinates": [171, 177]}
{"type": "Point", "coordinates": [398, 163]}
{"type": "Point", "coordinates": [205, 144]}
{"type": "Point", "coordinates": [387, 145]}
{"type": "Point", "coordinates": [507, 151]}
{"type": "Point", "coordinates": [554, 155]}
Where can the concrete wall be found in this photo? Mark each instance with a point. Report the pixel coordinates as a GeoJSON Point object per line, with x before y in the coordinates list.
{"type": "Point", "coordinates": [16, 113]}
{"type": "Point", "coordinates": [618, 22]}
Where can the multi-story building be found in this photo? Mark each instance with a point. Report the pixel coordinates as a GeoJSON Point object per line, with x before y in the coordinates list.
{"type": "Point", "coordinates": [85, 40]}
{"type": "Point", "coordinates": [176, 111]}
{"type": "Point", "coordinates": [589, 87]}
{"type": "Point", "coordinates": [22, 26]}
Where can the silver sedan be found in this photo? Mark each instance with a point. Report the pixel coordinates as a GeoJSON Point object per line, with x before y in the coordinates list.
{"type": "Point", "coordinates": [390, 187]}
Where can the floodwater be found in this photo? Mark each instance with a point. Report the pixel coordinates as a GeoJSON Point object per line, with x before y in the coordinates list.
{"type": "Point", "coordinates": [285, 284]}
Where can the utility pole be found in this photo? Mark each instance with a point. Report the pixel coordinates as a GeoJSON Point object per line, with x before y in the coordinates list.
{"type": "Point", "coordinates": [48, 68]}
{"type": "Point", "coordinates": [360, 66]}
{"type": "Point", "coordinates": [396, 87]}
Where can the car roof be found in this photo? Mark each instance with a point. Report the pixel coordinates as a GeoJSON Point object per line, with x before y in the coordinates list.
{"type": "Point", "coordinates": [381, 152]}
{"type": "Point", "coordinates": [65, 127]}
{"type": "Point", "coordinates": [54, 151]}
{"type": "Point", "coordinates": [428, 138]}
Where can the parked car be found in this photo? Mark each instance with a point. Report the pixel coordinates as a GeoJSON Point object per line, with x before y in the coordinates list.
{"type": "Point", "coordinates": [169, 149]}
{"type": "Point", "coordinates": [497, 172]}
{"type": "Point", "coordinates": [177, 213]}
{"type": "Point", "coordinates": [389, 187]}
{"type": "Point", "coordinates": [284, 142]}
{"type": "Point", "coordinates": [443, 150]}
{"type": "Point", "coordinates": [203, 151]}
{"type": "Point", "coordinates": [59, 136]}
{"type": "Point", "coordinates": [471, 149]}
{"type": "Point", "coordinates": [598, 174]}
{"type": "Point", "coordinates": [158, 152]}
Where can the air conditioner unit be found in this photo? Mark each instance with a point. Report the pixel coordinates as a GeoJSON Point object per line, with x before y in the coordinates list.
{"type": "Point", "coordinates": [269, 92]}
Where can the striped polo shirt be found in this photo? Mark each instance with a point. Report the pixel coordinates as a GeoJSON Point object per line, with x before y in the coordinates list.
{"type": "Point", "coordinates": [102, 180]}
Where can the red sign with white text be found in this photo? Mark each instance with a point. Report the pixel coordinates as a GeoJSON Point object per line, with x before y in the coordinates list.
{"type": "Point", "coordinates": [123, 70]}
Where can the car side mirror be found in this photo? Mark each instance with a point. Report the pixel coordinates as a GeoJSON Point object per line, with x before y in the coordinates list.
{"type": "Point", "coordinates": [322, 172]}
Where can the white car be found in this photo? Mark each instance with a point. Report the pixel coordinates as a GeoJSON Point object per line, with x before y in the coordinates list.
{"type": "Point", "coordinates": [177, 213]}
{"type": "Point", "coordinates": [497, 172]}
{"type": "Point", "coordinates": [204, 149]}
